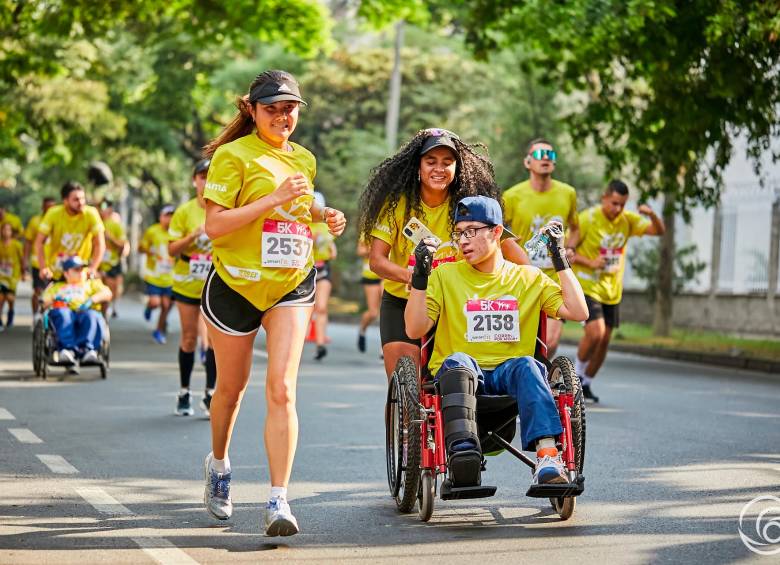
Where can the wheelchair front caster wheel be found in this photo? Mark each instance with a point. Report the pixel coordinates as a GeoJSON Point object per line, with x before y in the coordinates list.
{"type": "Point", "coordinates": [427, 494]}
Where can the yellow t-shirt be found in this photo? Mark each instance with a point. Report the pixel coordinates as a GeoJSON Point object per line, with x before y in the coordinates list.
{"type": "Point", "coordinates": [75, 294]}
{"type": "Point", "coordinates": [526, 211]}
{"type": "Point", "coordinates": [323, 242]}
{"type": "Point", "coordinates": [492, 317]}
{"type": "Point", "coordinates": [15, 221]}
{"type": "Point", "coordinates": [390, 230]}
{"type": "Point", "coordinates": [112, 255]}
{"type": "Point", "coordinates": [11, 263]}
{"type": "Point", "coordinates": [30, 233]}
{"type": "Point", "coordinates": [190, 276]}
{"type": "Point", "coordinates": [270, 256]}
{"type": "Point", "coordinates": [159, 265]}
{"type": "Point", "coordinates": [69, 234]}
{"type": "Point", "coordinates": [599, 236]}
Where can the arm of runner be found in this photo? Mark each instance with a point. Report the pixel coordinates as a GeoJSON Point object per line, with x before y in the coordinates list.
{"type": "Point", "coordinates": [44, 271]}
{"type": "Point", "coordinates": [102, 295]}
{"type": "Point", "coordinates": [416, 317]}
{"type": "Point", "coordinates": [98, 250]}
{"type": "Point", "coordinates": [572, 240]}
{"type": "Point", "coordinates": [176, 246]}
{"type": "Point", "coordinates": [574, 307]}
{"type": "Point", "coordinates": [221, 220]}
{"type": "Point", "coordinates": [383, 267]}
{"type": "Point", "coordinates": [657, 226]}
{"type": "Point", "coordinates": [514, 253]}
{"type": "Point", "coordinates": [334, 218]}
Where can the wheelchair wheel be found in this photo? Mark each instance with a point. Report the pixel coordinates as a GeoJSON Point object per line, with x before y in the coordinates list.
{"type": "Point", "coordinates": [403, 445]}
{"type": "Point", "coordinates": [427, 494]}
{"type": "Point", "coordinates": [37, 348]}
{"type": "Point", "coordinates": [563, 371]}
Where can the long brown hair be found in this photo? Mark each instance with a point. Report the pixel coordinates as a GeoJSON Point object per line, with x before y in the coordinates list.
{"type": "Point", "coordinates": [242, 123]}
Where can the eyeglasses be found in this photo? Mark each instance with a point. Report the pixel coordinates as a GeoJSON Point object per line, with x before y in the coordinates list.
{"type": "Point", "coordinates": [438, 132]}
{"type": "Point", "coordinates": [470, 233]}
{"type": "Point", "coordinates": [540, 154]}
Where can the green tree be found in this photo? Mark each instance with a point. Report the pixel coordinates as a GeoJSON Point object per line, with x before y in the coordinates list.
{"type": "Point", "coordinates": [665, 86]}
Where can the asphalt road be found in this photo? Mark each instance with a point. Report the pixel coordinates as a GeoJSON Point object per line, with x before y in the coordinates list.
{"type": "Point", "coordinates": [102, 471]}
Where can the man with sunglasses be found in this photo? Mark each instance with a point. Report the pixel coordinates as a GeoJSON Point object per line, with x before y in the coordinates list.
{"type": "Point", "coordinates": [486, 312]}
{"type": "Point", "coordinates": [534, 203]}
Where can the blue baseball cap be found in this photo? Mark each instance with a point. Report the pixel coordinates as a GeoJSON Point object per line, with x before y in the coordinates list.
{"type": "Point", "coordinates": [482, 209]}
{"type": "Point", "coordinates": [74, 262]}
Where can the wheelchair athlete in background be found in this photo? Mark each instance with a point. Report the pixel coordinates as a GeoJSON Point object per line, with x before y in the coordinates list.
{"type": "Point", "coordinates": [77, 324]}
{"type": "Point", "coordinates": [487, 310]}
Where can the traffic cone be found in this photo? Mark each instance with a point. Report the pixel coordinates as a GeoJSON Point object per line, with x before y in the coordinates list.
{"type": "Point", "coordinates": [312, 335]}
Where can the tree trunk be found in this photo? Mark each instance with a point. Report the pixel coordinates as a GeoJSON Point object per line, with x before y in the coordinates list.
{"type": "Point", "coordinates": [394, 97]}
{"type": "Point", "coordinates": [662, 315]}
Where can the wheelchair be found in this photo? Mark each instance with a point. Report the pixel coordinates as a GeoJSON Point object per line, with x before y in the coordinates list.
{"type": "Point", "coordinates": [45, 346]}
{"type": "Point", "coordinates": [415, 447]}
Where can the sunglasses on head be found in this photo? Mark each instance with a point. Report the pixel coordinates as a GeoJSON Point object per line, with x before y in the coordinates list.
{"type": "Point", "coordinates": [540, 154]}
{"type": "Point", "coordinates": [438, 132]}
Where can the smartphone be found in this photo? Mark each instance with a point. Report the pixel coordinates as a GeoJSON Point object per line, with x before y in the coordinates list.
{"type": "Point", "coordinates": [416, 231]}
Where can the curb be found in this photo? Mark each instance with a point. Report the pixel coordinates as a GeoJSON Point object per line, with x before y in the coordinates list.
{"type": "Point", "coordinates": [718, 359]}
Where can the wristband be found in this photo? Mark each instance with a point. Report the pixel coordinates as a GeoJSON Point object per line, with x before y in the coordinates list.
{"type": "Point", "coordinates": [559, 260]}
{"type": "Point", "coordinates": [419, 281]}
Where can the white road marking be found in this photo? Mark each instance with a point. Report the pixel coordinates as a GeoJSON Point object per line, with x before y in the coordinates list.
{"type": "Point", "coordinates": [57, 464]}
{"type": "Point", "coordinates": [102, 501]}
{"type": "Point", "coordinates": [164, 552]}
{"type": "Point", "coordinates": [6, 415]}
{"type": "Point", "coordinates": [260, 353]}
{"type": "Point", "coordinates": [24, 435]}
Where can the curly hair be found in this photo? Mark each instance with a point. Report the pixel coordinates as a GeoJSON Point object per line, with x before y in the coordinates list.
{"type": "Point", "coordinates": [398, 176]}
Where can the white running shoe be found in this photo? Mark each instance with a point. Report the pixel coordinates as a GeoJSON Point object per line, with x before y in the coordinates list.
{"type": "Point", "coordinates": [90, 358]}
{"type": "Point", "coordinates": [216, 496]}
{"type": "Point", "coordinates": [549, 470]}
{"type": "Point", "coordinates": [279, 520]}
{"type": "Point", "coordinates": [67, 357]}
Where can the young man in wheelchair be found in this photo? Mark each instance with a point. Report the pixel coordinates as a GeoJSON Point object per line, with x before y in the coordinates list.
{"type": "Point", "coordinates": [77, 325]}
{"type": "Point", "coordinates": [486, 310]}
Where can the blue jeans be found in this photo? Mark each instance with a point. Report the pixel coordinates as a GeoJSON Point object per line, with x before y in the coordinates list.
{"type": "Point", "coordinates": [77, 330]}
{"type": "Point", "coordinates": [523, 378]}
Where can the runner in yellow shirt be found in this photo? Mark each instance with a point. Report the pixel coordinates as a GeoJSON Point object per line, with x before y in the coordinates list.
{"type": "Point", "coordinates": [410, 195]}
{"type": "Point", "coordinates": [324, 252]}
{"type": "Point", "coordinates": [31, 259]}
{"type": "Point", "coordinates": [11, 263]}
{"type": "Point", "coordinates": [72, 228]}
{"type": "Point", "coordinates": [534, 203]}
{"type": "Point", "coordinates": [116, 248]}
{"type": "Point", "coordinates": [191, 246]}
{"type": "Point", "coordinates": [372, 288]}
{"type": "Point", "coordinates": [158, 272]}
{"type": "Point", "coordinates": [13, 219]}
{"type": "Point", "coordinates": [259, 211]}
{"type": "Point", "coordinates": [486, 314]}
{"type": "Point", "coordinates": [599, 263]}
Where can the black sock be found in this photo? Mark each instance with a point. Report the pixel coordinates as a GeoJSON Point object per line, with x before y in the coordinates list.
{"type": "Point", "coordinates": [186, 362]}
{"type": "Point", "coordinates": [211, 369]}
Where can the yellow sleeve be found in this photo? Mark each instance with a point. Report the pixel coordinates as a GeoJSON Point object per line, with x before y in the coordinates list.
{"type": "Point", "coordinates": [95, 221]}
{"type": "Point", "coordinates": [584, 223]}
{"type": "Point", "coordinates": [178, 227]}
{"type": "Point", "coordinates": [32, 230]}
{"type": "Point", "coordinates": [434, 296]}
{"type": "Point", "coordinates": [225, 178]}
{"type": "Point", "coordinates": [47, 221]}
{"type": "Point", "coordinates": [508, 208]}
{"type": "Point", "coordinates": [383, 229]}
{"type": "Point", "coordinates": [551, 297]}
{"type": "Point", "coordinates": [573, 219]}
{"type": "Point", "coordinates": [51, 291]}
{"type": "Point", "coordinates": [95, 286]}
{"type": "Point", "coordinates": [637, 223]}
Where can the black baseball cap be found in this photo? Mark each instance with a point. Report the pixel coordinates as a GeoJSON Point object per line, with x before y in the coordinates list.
{"type": "Point", "coordinates": [276, 91]}
{"type": "Point", "coordinates": [438, 137]}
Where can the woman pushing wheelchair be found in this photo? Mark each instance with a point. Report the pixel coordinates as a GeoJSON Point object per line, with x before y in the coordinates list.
{"type": "Point", "coordinates": [486, 313]}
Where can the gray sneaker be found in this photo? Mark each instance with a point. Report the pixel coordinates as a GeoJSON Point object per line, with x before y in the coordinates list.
{"type": "Point", "coordinates": [279, 520]}
{"type": "Point", "coordinates": [216, 496]}
{"type": "Point", "coordinates": [184, 404]}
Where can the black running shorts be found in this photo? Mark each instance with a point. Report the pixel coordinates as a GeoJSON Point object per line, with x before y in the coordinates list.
{"type": "Point", "coordinates": [392, 327]}
{"type": "Point", "coordinates": [610, 312]}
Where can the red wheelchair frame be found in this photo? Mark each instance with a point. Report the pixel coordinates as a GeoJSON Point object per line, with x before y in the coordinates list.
{"type": "Point", "coordinates": [415, 461]}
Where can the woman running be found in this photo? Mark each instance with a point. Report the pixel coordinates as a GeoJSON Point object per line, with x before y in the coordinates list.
{"type": "Point", "coordinates": [192, 248]}
{"type": "Point", "coordinates": [324, 253]}
{"type": "Point", "coordinates": [259, 208]}
{"type": "Point", "coordinates": [372, 287]}
{"type": "Point", "coordinates": [412, 195]}
{"type": "Point", "coordinates": [11, 270]}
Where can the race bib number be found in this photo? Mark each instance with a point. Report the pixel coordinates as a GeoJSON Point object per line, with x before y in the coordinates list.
{"type": "Point", "coordinates": [286, 244]}
{"type": "Point", "coordinates": [612, 258]}
{"type": "Point", "coordinates": [6, 269]}
{"type": "Point", "coordinates": [200, 265]}
{"type": "Point", "coordinates": [541, 259]}
{"type": "Point", "coordinates": [492, 320]}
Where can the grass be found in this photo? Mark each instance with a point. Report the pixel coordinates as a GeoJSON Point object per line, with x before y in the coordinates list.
{"type": "Point", "coordinates": [689, 340]}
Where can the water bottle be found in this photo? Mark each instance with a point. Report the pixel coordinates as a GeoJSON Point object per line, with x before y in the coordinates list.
{"type": "Point", "coordinates": [536, 244]}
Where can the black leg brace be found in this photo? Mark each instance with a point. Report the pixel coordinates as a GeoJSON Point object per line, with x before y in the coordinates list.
{"type": "Point", "coordinates": [458, 389]}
